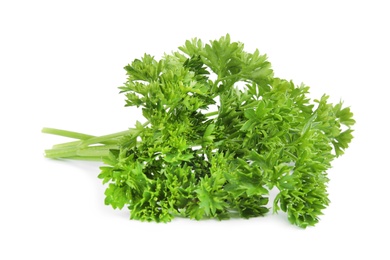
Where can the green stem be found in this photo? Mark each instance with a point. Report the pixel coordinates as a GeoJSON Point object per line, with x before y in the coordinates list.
{"type": "Point", "coordinates": [85, 158]}
{"type": "Point", "coordinates": [72, 134]}
{"type": "Point", "coordinates": [85, 139]}
{"type": "Point", "coordinates": [61, 153]}
{"type": "Point", "coordinates": [88, 147]}
{"type": "Point", "coordinates": [76, 143]}
{"type": "Point", "coordinates": [98, 151]}
{"type": "Point", "coordinates": [211, 113]}
{"type": "Point", "coordinates": [66, 133]}
{"type": "Point", "coordinates": [104, 138]}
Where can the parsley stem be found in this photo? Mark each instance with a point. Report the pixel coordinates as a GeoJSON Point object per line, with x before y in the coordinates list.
{"type": "Point", "coordinates": [66, 133]}
{"type": "Point", "coordinates": [98, 151]}
{"type": "Point", "coordinates": [85, 139]}
{"type": "Point", "coordinates": [76, 143]}
{"type": "Point", "coordinates": [103, 138]}
{"type": "Point", "coordinates": [86, 158]}
{"type": "Point", "coordinates": [88, 146]}
{"type": "Point", "coordinates": [211, 113]}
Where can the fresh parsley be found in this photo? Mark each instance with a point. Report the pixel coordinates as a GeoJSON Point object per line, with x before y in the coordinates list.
{"type": "Point", "coordinates": [220, 132]}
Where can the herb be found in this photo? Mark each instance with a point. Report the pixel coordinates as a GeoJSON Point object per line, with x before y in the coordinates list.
{"type": "Point", "coordinates": [185, 160]}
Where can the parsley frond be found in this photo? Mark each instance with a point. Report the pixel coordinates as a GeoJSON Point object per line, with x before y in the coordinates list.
{"type": "Point", "coordinates": [220, 132]}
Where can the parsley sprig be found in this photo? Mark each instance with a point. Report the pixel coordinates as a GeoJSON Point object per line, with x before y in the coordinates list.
{"type": "Point", "coordinates": [220, 132]}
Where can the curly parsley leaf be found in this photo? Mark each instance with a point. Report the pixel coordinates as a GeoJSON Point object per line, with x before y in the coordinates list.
{"type": "Point", "coordinates": [220, 132]}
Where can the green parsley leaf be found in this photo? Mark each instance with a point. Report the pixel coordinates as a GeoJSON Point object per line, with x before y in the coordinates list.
{"type": "Point", "coordinates": [219, 132]}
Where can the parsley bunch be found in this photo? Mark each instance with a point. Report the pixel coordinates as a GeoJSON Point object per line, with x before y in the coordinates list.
{"type": "Point", "coordinates": [220, 132]}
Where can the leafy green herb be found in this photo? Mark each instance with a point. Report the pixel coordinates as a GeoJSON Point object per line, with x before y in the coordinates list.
{"type": "Point", "coordinates": [220, 132]}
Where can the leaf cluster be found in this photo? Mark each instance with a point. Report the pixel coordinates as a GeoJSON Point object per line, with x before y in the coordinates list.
{"type": "Point", "coordinates": [220, 132]}
{"type": "Point", "coordinates": [265, 133]}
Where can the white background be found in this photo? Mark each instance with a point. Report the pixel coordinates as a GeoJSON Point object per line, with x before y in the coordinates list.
{"type": "Point", "coordinates": [61, 63]}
